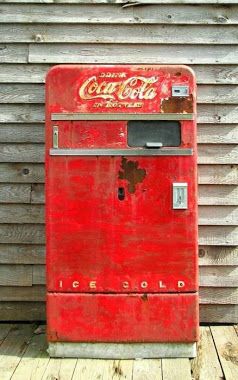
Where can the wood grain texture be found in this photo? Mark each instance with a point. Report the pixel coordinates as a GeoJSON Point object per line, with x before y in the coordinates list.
{"type": "Point", "coordinates": [218, 154]}
{"type": "Point", "coordinates": [219, 313]}
{"type": "Point", "coordinates": [222, 215]}
{"type": "Point", "coordinates": [38, 275]}
{"type": "Point", "coordinates": [98, 369]}
{"type": "Point", "coordinates": [219, 94]}
{"type": "Point", "coordinates": [22, 93]}
{"type": "Point", "coordinates": [35, 73]}
{"type": "Point", "coordinates": [217, 113]}
{"type": "Point", "coordinates": [217, 134]}
{"type": "Point", "coordinates": [218, 174]}
{"type": "Point", "coordinates": [219, 195]}
{"type": "Point", "coordinates": [22, 311]}
{"type": "Point", "coordinates": [124, 2]}
{"type": "Point", "coordinates": [113, 13]}
{"type": "Point", "coordinates": [119, 34]}
{"type": "Point", "coordinates": [23, 293]}
{"type": "Point", "coordinates": [37, 193]}
{"type": "Point", "coordinates": [161, 54]}
{"type": "Point", "coordinates": [148, 369]}
{"type": "Point", "coordinates": [218, 276]}
{"type": "Point", "coordinates": [34, 360]}
{"type": "Point", "coordinates": [176, 368]}
{"type": "Point", "coordinates": [15, 193]}
{"type": "Point", "coordinates": [226, 342]}
{"type": "Point", "coordinates": [21, 113]}
{"type": "Point", "coordinates": [62, 369]}
{"type": "Point", "coordinates": [15, 275]}
{"type": "Point", "coordinates": [13, 53]}
{"type": "Point", "coordinates": [21, 173]}
{"type": "Point", "coordinates": [21, 193]}
{"type": "Point", "coordinates": [22, 233]}
{"type": "Point", "coordinates": [22, 152]}
{"type": "Point", "coordinates": [218, 235]}
{"type": "Point", "coordinates": [4, 330]}
{"type": "Point", "coordinates": [206, 365]}
{"type": "Point", "coordinates": [212, 255]}
{"type": "Point", "coordinates": [218, 295]}
{"type": "Point", "coordinates": [13, 347]}
{"type": "Point", "coordinates": [19, 213]}
{"type": "Point", "coordinates": [22, 254]}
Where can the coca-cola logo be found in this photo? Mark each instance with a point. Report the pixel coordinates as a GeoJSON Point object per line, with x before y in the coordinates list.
{"type": "Point", "coordinates": [137, 87]}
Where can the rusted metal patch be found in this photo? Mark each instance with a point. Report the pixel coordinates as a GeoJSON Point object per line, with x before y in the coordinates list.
{"type": "Point", "coordinates": [131, 173]}
{"type": "Point", "coordinates": [177, 105]}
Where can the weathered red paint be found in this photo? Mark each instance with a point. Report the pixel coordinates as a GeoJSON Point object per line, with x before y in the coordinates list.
{"type": "Point", "coordinates": [132, 317]}
{"type": "Point", "coordinates": [119, 249]}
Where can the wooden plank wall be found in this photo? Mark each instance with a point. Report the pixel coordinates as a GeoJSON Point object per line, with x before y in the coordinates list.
{"type": "Point", "coordinates": [35, 36]}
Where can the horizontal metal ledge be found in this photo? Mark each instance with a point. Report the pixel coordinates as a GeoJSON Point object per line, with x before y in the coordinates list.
{"type": "Point", "coordinates": [121, 152]}
{"type": "Point", "coordinates": [122, 116]}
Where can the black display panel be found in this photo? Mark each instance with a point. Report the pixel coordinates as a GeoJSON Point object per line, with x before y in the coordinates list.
{"type": "Point", "coordinates": [139, 133]}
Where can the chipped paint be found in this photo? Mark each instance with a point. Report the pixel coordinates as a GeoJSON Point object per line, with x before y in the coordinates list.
{"type": "Point", "coordinates": [177, 104]}
{"type": "Point", "coordinates": [131, 173]}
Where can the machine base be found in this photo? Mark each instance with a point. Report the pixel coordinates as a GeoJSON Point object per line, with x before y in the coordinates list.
{"type": "Point", "coordinates": [122, 350]}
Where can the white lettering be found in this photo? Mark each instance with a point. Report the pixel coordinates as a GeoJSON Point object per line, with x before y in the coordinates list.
{"type": "Point", "coordinates": [132, 88]}
{"type": "Point", "coordinates": [181, 284]}
{"type": "Point", "coordinates": [125, 285]}
{"type": "Point", "coordinates": [161, 285]}
{"type": "Point", "coordinates": [75, 284]}
{"type": "Point", "coordinates": [92, 285]}
{"type": "Point", "coordinates": [144, 284]}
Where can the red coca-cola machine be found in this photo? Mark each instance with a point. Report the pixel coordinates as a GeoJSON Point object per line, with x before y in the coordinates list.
{"type": "Point", "coordinates": [121, 211]}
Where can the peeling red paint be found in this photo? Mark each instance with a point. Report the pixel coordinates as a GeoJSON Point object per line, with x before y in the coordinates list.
{"type": "Point", "coordinates": [131, 173]}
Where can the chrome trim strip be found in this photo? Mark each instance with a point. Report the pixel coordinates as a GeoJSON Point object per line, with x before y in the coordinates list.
{"type": "Point", "coordinates": [122, 152]}
{"type": "Point", "coordinates": [121, 116]}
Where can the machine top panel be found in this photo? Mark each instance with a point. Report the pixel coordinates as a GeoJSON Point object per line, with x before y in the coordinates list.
{"type": "Point", "coordinates": [121, 89]}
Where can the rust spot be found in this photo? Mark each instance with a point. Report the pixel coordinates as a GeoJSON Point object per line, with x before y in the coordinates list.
{"type": "Point", "coordinates": [144, 297]}
{"type": "Point", "coordinates": [230, 353]}
{"type": "Point", "coordinates": [131, 173]}
{"type": "Point", "coordinates": [178, 74]}
{"type": "Point", "coordinates": [177, 105]}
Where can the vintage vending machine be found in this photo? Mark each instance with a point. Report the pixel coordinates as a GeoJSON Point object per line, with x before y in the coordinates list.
{"type": "Point", "coordinates": [121, 211]}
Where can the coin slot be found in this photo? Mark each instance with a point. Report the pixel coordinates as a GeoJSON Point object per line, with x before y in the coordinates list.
{"type": "Point", "coordinates": [121, 193]}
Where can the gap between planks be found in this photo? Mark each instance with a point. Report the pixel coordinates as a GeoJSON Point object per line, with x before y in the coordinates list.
{"type": "Point", "coordinates": [23, 356]}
